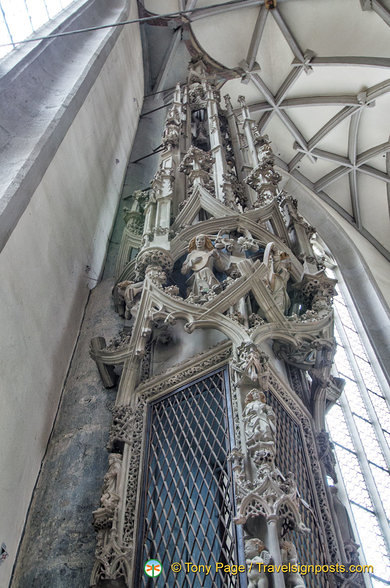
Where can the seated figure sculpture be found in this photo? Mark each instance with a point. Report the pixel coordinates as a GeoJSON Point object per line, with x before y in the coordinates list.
{"type": "Point", "coordinates": [202, 259]}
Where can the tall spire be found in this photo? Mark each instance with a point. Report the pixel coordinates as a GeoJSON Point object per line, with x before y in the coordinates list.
{"type": "Point", "coordinates": [225, 254]}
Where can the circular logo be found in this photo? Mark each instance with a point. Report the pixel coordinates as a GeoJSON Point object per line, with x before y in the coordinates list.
{"type": "Point", "coordinates": [153, 568]}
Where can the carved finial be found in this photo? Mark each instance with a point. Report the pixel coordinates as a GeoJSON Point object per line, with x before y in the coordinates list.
{"type": "Point", "coordinates": [227, 101]}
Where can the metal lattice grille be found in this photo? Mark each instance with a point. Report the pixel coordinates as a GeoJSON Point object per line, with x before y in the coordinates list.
{"type": "Point", "coordinates": [290, 457]}
{"type": "Point", "coordinates": [188, 507]}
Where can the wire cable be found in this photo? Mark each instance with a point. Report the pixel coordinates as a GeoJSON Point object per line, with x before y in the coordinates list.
{"type": "Point", "coordinates": [127, 22]}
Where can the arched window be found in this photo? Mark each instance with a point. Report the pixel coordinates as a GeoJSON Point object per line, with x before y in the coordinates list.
{"type": "Point", "coordinates": [21, 18]}
{"type": "Point", "coordinates": [359, 426]}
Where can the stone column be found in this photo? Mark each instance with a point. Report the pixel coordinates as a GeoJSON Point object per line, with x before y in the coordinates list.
{"type": "Point", "coordinates": [223, 188]}
{"type": "Point", "coordinates": [274, 548]}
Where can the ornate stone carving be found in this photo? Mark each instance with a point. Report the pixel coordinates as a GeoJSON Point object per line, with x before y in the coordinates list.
{"type": "Point", "coordinates": [103, 516]}
{"type": "Point", "coordinates": [121, 341]}
{"type": "Point", "coordinates": [252, 364]}
{"type": "Point", "coordinates": [233, 185]}
{"type": "Point", "coordinates": [256, 555]}
{"type": "Point", "coordinates": [107, 358]}
{"type": "Point", "coordinates": [127, 295]}
{"type": "Point", "coordinates": [263, 147]}
{"type": "Point", "coordinates": [236, 457]}
{"type": "Point", "coordinates": [259, 420]}
{"type": "Point", "coordinates": [255, 321]}
{"type": "Point", "coordinates": [302, 356]}
{"type": "Point", "coordinates": [326, 454]}
{"type": "Point", "coordinates": [153, 257]}
{"type": "Point", "coordinates": [317, 291]}
{"type": "Point", "coordinates": [124, 427]}
{"type": "Point", "coordinates": [164, 177]}
{"type": "Point", "coordinates": [202, 258]}
{"type": "Point", "coordinates": [135, 432]}
{"type": "Point", "coordinates": [171, 133]}
{"type": "Point", "coordinates": [134, 220]}
{"type": "Point", "coordinates": [279, 267]}
{"type": "Point", "coordinates": [292, 205]}
{"type": "Point", "coordinates": [264, 180]}
{"type": "Point", "coordinates": [293, 579]}
{"type": "Point", "coordinates": [197, 73]}
{"type": "Point", "coordinates": [247, 242]}
{"type": "Point", "coordinates": [180, 373]}
{"type": "Point", "coordinates": [262, 490]}
{"type": "Point", "coordinates": [112, 560]}
{"type": "Point", "coordinates": [315, 467]}
{"type": "Point", "coordinates": [315, 355]}
{"type": "Point", "coordinates": [270, 495]}
{"type": "Point", "coordinates": [197, 165]}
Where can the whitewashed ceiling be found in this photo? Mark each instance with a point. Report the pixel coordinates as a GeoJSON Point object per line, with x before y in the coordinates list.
{"type": "Point", "coordinates": [316, 74]}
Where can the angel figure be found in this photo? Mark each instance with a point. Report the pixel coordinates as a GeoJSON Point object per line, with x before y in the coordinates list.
{"type": "Point", "coordinates": [256, 553]}
{"type": "Point", "coordinates": [202, 258]}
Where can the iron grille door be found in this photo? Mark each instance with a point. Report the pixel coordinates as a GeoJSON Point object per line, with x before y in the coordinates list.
{"type": "Point", "coordinates": [187, 506]}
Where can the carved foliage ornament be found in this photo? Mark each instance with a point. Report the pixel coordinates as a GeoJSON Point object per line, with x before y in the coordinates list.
{"type": "Point", "coordinates": [153, 257]}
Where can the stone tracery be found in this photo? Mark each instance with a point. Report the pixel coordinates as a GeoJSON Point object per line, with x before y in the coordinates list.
{"type": "Point", "coordinates": [217, 268]}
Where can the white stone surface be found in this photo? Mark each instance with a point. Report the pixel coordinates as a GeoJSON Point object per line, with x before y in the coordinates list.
{"type": "Point", "coordinates": [45, 279]}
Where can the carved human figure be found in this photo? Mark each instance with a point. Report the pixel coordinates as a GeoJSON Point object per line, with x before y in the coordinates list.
{"type": "Point", "coordinates": [289, 556]}
{"type": "Point", "coordinates": [344, 523]}
{"type": "Point", "coordinates": [263, 148]}
{"type": "Point", "coordinates": [255, 554]}
{"type": "Point", "coordinates": [199, 130]}
{"type": "Point", "coordinates": [110, 494]}
{"type": "Point", "coordinates": [279, 266]}
{"type": "Point", "coordinates": [259, 419]}
{"type": "Point", "coordinates": [128, 292]}
{"type": "Point", "coordinates": [202, 258]}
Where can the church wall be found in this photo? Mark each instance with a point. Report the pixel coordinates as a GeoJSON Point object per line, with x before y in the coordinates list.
{"type": "Point", "coordinates": [52, 259]}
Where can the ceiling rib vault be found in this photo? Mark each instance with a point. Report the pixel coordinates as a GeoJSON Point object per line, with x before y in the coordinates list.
{"type": "Point", "coordinates": [346, 161]}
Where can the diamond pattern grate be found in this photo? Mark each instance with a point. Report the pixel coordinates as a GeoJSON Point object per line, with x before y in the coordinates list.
{"type": "Point", "coordinates": [291, 457]}
{"type": "Point", "coordinates": [188, 506]}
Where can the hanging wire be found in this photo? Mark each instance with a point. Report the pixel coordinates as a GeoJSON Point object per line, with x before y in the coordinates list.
{"type": "Point", "coordinates": [126, 22]}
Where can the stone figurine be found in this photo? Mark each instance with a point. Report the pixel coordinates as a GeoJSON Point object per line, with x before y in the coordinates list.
{"type": "Point", "coordinates": [259, 419]}
{"type": "Point", "coordinates": [279, 266]}
{"type": "Point", "coordinates": [289, 556]}
{"type": "Point", "coordinates": [256, 553]}
{"type": "Point", "coordinates": [344, 523]}
{"type": "Point", "coordinates": [202, 258]}
{"type": "Point", "coordinates": [110, 493]}
{"type": "Point", "coordinates": [128, 296]}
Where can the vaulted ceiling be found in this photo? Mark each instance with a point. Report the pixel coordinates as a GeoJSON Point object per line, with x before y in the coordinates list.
{"type": "Point", "coordinates": [316, 74]}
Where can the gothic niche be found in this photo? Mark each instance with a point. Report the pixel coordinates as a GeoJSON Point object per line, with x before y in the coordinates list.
{"type": "Point", "coordinates": [199, 129]}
